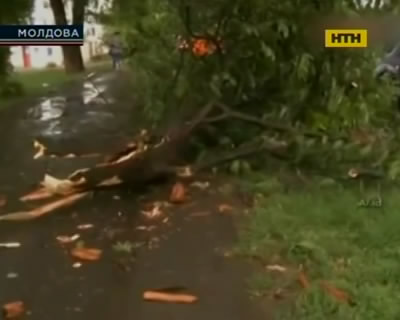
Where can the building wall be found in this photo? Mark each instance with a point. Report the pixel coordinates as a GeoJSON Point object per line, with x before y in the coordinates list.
{"type": "Point", "coordinates": [42, 56]}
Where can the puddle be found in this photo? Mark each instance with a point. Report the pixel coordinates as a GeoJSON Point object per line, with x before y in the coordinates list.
{"type": "Point", "coordinates": [48, 108]}
{"type": "Point", "coordinates": [75, 114]}
{"type": "Point", "coordinates": [93, 92]}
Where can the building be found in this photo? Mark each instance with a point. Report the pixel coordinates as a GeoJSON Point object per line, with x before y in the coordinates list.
{"type": "Point", "coordinates": [45, 56]}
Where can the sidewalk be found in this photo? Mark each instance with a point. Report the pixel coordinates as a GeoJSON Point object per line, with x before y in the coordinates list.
{"type": "Point", "coordinates": [186, 248]}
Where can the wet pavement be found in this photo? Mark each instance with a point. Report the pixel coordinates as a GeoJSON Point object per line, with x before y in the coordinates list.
{"type": "Point", "coordinates": [185, 246]}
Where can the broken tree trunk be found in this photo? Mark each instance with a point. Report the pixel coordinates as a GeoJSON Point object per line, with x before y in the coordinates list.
{"type": "Point", "coordinates": [141, 163]}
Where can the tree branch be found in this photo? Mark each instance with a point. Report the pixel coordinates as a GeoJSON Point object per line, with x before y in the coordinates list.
{"type": "Point", "coordinates": [246, 150]}
{"type": "Point", "coordinates": [228, 112]}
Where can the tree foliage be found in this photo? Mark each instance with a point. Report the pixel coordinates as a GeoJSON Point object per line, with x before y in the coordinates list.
{"type": "Point", "coordinates": [269, 62]}
{"type": "Point", "coordinates": [12, 12]}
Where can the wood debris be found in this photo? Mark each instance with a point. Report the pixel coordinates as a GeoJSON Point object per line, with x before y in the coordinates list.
{"type": "Point", "coordinates": [89, 254]}
{"type": "Point", "coordinates": [68, 239]}
{"type": "Point", "coordinates": [170, 297]}
{"type": "Point", "coordinates": [40, 211]}
{"type": "Point", "coordinates": [13, 310]}
{"type": "Point", "coordinates": [178, 193]}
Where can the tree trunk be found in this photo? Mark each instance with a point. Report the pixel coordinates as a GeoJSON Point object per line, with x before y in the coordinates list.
{"type": "Point", "coordinates": [73, 61]}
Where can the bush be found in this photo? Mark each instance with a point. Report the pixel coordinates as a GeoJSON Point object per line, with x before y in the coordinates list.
{"type": "Point", "coordinates": [51, 65]}
{"type": "Point", "coordinates": [11, 89]}
{"type": "Point", "coordinates": [265, 60]}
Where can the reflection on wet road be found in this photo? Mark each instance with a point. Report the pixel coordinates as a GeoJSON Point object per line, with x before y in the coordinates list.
{"type": "Point", "coordinates": [86, 109]}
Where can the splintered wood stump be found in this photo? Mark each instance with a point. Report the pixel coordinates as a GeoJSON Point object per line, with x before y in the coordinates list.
{"type": "Point", "coordinates": [142, 164]}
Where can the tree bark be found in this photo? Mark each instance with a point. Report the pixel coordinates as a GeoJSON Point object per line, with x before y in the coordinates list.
{"type": "Point", "coordinates": [73, 61]}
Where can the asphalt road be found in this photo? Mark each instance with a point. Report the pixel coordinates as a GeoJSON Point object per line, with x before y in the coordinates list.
{"type": "Point", "coordinates": [186, 246]}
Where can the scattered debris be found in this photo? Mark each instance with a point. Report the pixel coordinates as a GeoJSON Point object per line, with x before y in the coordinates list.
{"type": "Point", "coordinates": [113, 181]}
{"type": "Point", "coordinates": [338, 294]}
{"type": "Point", "coordinates": [10, 245]}
{"type": "Point", "coordinates": [13, 310]}
{"type": "Point", "coordinates": [125, 246]}
{"type": "Point", "coordinates": [116, 197]}
{"type": "Point", "coordinates": [70, 155]}
{"type": "Point", "coordinates": [3, 200]}
{"type": "Point", "coordinates": [74, 175]}
{"type": "Point", "coordinates": [228, 254]}
{"type": "Point", "coordinates": [276, 267]}
{"type": "Point", "coordinates": [12, 275]}
{"type": "Point", "coordinates": [184, 172]}
{"type": "Point", "coordinates": [171, 295]}
{"type": "Point", "coordinates": [80, 244]}
{"type": "Point", "coordinates": [353, 173]}
{"type": "Point", "coordinates": [303, 280]}
{"type": "Point", "coordinates": [77, 265]}
{"type": "Point", "coordinates": [223, 208]}
{"type": "Point", "coordinates": [85, 226]}
{"type": "Point", "coordinates": [111, 233]}
{"type": "Point", "coordinates": [41, 149]}
{"type": "Point", "coordinates": [278, 294]}
{"type": "Point", "coordinates": [39, 194]}
{"type": "Point", "coordinates": [145, 228]}
{"type": "Point", "coordinates": [58, 186]}
{"type": "Point", "coordinates": [89, 254]}
{"type": "Point", "coordinates": [226, 189]}
{"type": "Point", "coordinates": [68, 239]}
{"type": "Point", "coordinates": [154, 243]}
{"type": "Point", "coordinates": [38, 212]}
{"type": "Point", "coordinates": [155, 212]}
{"type": "Point", "coordinates": [178, 193]}
{"type": "Point", "coordinates": [201, 185]}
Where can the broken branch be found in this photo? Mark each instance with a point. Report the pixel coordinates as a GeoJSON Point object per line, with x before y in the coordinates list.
{"type": "Point", "coordinates": [169, 297]}
{"type": "Point", "coordinates": [48, 208]}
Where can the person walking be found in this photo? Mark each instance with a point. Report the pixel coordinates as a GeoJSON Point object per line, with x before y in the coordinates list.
{"type": "Point", "coordinates": [116, 51]}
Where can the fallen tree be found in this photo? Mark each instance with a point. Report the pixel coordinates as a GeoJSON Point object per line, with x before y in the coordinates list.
{"type": "Point", "coordinates": [153, 158]}
{"type": "Point", "coordinates": [146, 160]}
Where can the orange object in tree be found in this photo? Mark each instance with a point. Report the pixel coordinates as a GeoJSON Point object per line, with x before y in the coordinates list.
{"type": "Point", "coordinates": [203, 47]}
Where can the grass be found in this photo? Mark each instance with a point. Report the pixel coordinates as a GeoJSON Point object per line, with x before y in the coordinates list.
{"type": "Point", "coordinates": [356, 249]}
{"type": "Point", "coordinates": [39, 81]}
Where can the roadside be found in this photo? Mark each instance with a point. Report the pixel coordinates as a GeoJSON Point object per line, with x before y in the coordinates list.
{"type": "Point", "coordinates": [41, 82]}
{"type": "Point", "coordinates": [185, 245]}
{"type": "Point", "coordinates": [331, 247]}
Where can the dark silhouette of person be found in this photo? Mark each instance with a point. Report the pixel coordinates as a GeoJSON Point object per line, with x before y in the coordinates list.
{"type": "Point", "coordinates": [116, 50]}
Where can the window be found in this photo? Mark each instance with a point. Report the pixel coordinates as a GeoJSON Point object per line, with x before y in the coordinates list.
{"type": "Point", "coordinates": [49, 51]}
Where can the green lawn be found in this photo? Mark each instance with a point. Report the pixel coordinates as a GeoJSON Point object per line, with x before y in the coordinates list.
{"type": "Point", "coordinates": [40, 81]}
{"type": "Point", "coordinates": [324, 229]}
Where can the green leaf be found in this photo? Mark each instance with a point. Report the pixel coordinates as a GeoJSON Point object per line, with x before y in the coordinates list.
{"type": "Point", "coordinates": [267, 51]}
{"type": "Point", "coordinates": [304, 66]}
{"type": "Point", "coordinates": [338, 144]}
{"type": "Point", "coordinates": [327, 182]}
{"type": "Point", "coordinates": [235, 167]}
{"type": "Point", "coordinates": [366, 150]}
{"type": "Point", "coordinates": [228, 78]}
{"type": "Point", "coordinates": [246, 167]}
{"type": "Point", "coordinates": [283, 29]}
{"type": "Point", "coordinates": [225, 141]}
{"type": "Point", "coordinates": [394, 170]}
